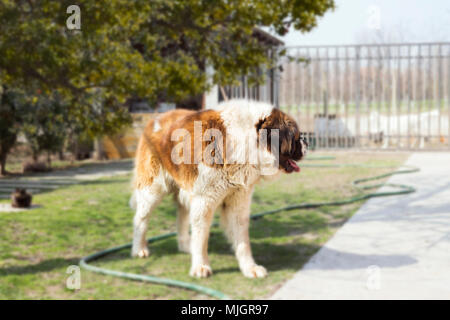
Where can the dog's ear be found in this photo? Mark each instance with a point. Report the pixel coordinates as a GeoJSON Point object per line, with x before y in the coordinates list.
{"type": "Point", "coordinates": [298, 149]}
{"type": "Point", "coordinates": [264, 124]}
{"type": "Point", "coordinates": [270, 122]}
{"type": "Point", "coordinates": [286, 139]}
{"type": "Point", "coordinates": [287, 129]}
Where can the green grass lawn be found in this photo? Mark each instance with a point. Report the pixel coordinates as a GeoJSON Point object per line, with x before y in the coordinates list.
{"type": "Point", "coordinates": [37, 246]}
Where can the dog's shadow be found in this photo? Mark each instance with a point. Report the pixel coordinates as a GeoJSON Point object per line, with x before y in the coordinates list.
{"type": "Point", "coordinates": [274, 256]}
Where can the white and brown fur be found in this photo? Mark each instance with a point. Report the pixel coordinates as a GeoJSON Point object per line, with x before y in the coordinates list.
{"type": "Point", "coordinates": [202, 188]}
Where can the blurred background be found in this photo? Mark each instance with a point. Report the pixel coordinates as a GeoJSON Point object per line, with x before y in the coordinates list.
{"type": "Point", "coordinates": [367, 81]}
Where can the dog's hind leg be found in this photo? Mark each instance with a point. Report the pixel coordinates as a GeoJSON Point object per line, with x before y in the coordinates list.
{"type": "Point", "coordinates": [183, 237]}
{"type": "Point", "coordinates": [146, 200]}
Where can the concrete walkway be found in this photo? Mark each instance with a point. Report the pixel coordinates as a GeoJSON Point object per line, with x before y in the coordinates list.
{"type": "Point", "coordinates": [392, 248]}
{"type": "Point", "coordinates": [37, 183]}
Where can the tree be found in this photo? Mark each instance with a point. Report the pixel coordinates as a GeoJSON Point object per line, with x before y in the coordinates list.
{"type": "Point", "coordinates": [10, 119]}
{"type": "Point", "coordinates": [44, 124]}
{"type": "Point", "coordinates": [157, 50]}
{"type": "Point", "coordinates": [153, 49]}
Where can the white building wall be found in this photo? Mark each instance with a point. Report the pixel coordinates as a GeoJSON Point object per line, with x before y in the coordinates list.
{"type": "Point", "coordinates": [212, 97]}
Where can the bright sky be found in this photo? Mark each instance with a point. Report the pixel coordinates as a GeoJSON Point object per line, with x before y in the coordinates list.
{"type": "Point", "coordinates": [357, 21]}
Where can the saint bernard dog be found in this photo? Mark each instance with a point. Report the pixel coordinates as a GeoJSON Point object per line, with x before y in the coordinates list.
{"type": "Point", "coordinates": [211, 159]}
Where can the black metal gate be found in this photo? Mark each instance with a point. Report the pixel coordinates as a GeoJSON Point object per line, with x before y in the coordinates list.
{"type": "Point", "coordinates": [387, 96]}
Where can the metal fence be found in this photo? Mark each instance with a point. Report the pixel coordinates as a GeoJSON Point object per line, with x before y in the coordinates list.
{"type": "Point", "coordinates": [267, 91]}
{"type": "Point", "coordinates": [389, 96]}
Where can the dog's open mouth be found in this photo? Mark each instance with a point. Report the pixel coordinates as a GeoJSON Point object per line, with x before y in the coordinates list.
{"type": "Point", "coordinates": [291, 166]}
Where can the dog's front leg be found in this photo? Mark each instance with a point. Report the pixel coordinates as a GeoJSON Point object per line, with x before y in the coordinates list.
{"type": "Point", "coordinates": [235, 218]}
{"type": "Point", "coordinates": [201, 214]}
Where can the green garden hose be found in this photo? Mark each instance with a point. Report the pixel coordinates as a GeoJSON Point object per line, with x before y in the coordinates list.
{"type": "Point", "coordinates": [401, 189]}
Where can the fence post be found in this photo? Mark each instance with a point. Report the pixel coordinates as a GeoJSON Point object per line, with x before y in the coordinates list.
{"type": "Point", "coordinates": [357, 94]}
{"type": "Point", "coordinates": [325, 96]}
{"type": "Point", "coordinates": [440, 92]}
{"type": "Point", "coordinates": [409, 75]}
{"type": "Point", "coordinates": [448, 94]}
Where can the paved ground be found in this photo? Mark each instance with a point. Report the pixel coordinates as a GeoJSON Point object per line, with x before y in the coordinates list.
{"type": "Point", "coordinates": [392, 248]}
{"type": "Point", "coordinates": [59, 178]}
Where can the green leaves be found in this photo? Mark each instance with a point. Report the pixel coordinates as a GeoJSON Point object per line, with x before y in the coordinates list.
{"type": "Point", "coordinates": [158, 50]}
{"type": "Point", "coordinates": [11, 108]}
{"type": "Point", "coordinates": [43, 123]}
{"type": "Point", "coordinates": [126, 47]}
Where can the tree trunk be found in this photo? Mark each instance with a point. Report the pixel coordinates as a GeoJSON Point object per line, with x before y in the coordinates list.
{"type": "Point", "coordinates": [5, 146]}
{"type": "Point", "coordinates": [49, 159]}
{"type": "Point", "coordinates": [2, 164]}
{"type": "Point", "coordinates": [75, 152]}
{"type": "Point", "coordinates": [98, 149]}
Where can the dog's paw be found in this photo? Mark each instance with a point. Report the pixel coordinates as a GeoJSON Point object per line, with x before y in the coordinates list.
{"type": "Point", "coordinates": [140, 253]}
{"type": "Point", "coordinates": [255, 272]}
{"type": "Point", "coordinates": [200, 271]}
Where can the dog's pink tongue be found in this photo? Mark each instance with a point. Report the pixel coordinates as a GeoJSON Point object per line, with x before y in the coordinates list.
{"type": "Point", "coordinates": [294, 165]}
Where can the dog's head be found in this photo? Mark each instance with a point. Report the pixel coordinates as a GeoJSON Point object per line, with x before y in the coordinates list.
{"type": "Point", "coordinates": [291, 147]}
